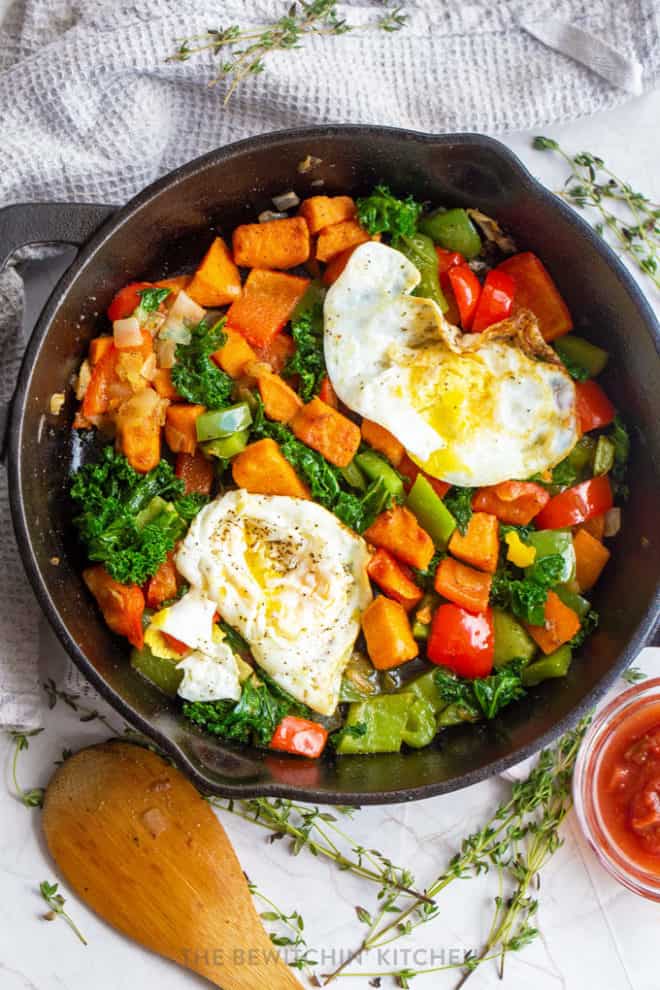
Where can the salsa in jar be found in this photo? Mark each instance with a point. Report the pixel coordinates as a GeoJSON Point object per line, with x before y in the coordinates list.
{"type": "Point", "coordinates": [617, 788]}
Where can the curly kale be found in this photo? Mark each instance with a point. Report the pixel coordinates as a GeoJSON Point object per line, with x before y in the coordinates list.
{"type": "Point", "coordinates": [459, 502]}
{"type": "Point", "coordinates": [195, 376]}
{"type": "Point", "coordinates": [125, 520]}
{"type": "Point", "coordinates": [526, 597]}
{"type": "Point", "coordinates": [308, 362]}
{"type": "Point", "coordinates": [482, 696]}
{"type": "Point", "coordinates": [189, 505]}
{"type": "Point", "coordinates": [253, 718]}
{"type": "Point", "coordinates": [383, 213]}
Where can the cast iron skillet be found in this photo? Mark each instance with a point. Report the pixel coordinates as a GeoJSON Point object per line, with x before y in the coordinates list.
{"type": "Point", "coordinates": [167, 228]}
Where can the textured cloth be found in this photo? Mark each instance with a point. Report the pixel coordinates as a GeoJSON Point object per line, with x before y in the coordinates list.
{"type": "Point", "coordinates": [91, 110]}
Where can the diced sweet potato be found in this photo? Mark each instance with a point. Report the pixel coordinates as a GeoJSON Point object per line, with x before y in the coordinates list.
{"type": "Point", "coordinates": [323, 211]}
{"type": "Point", "coordinates": [162, 585]}
{"type": "Point", "coordinates": [328, 431]}
{"type": "Point", "coordinates": [164, 385]}
{"type": "Point", "coordinates": [336, 265]}
{"type": "Point", "coordinates": [394, 579]}
{"type": "Point", "coordinates": [122, 605]}
{"type": "Point", "coordinates": [280, 401]}
{"type": "Point", "coordinates": [561, 624]}
{"type": "Point", "coordinates": [387, 631]}
{"type": "Point", "coordinates": [277, 352]}
{"type": "Point", "coordinates": [196, 472]}
{"type": "Point", "coordinates": [266, 304]}
{"type": "Point", "coordinates": [463, 585]}
{"type": "Point", "coordinates": [383, 441]}
{"type": "Point", "coordinates": [339, 237]}
{"type": "Point", "coordinates": [98, 347]}
{"type": "Point", "coordinates": [235, 354]}
{"type": "Point", "coordinates": [327, 393]}
{"type": "Point", "coordinates": [262, 469]}
{"type": "Point", "coordinates": [217, 281]}
{"type": "Point", "coordinates": [398, 531]}
{"type": "Point", "coordinates": [180, 431]}
{"type": "Point", "coordinates": [481, 544]}
{"type": "Point", "coordinates": [139, 422]}
{"type": "Point", "coordinates": [276, 244]}
{"type": "Point", "coordinates": [590, 559]}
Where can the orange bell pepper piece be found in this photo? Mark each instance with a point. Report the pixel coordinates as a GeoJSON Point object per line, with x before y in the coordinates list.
{"type": "Point", "coordinates": [536, 291]}
{"type": "Point", "coordinates": [590, 559]}
{"type": "Point", "coordinates": [561, 624]}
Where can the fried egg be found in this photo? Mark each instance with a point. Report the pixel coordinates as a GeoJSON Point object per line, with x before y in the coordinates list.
{"type": "Point", "coordinates": [290, 578]}
{"type": "Point", "coordinates": [470, 409]}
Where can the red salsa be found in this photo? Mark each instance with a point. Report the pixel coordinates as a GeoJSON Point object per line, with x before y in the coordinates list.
{"type": "Point", "coordinates": [628, 787]}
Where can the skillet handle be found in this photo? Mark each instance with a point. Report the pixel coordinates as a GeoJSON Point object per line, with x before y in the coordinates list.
{"type": "Point", "coordinates": [44, 223]}
{"type": "Point", "coordinates": [48, 223]}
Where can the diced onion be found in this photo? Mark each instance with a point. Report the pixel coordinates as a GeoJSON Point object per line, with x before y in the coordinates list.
{"type": "Point", "coordinates": [286, 201]}
{"type": "Point", "coordinates": [56, 402]}
{"type": "Point", "coordinates": [127, 333]}
{"type": "Point", "coordinates": [148, 369]}
{"type": "Point", "coordinates": [267, 215]}
{"type": "Point", "coordinates": [185, 313]}
{"type": "Point", "coordinates": [612, 522]}
{"type": "Point", "coordinates": [166, 353]}
{"type": "Point", "coordinates": [83, 380]}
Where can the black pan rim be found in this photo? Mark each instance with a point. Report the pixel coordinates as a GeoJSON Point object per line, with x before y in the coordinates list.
{"type": "Point", "coordinates": [642, 634]}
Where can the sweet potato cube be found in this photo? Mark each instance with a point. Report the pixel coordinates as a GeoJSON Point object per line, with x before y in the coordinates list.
{"type": "Point", "coordinates": [266, 304]}
{"type": "Point", "coordinates": [481, 544]}
{"type": "Point", "coordinates": [323, 211]}
{"type": "Point", "coordinates": [387, 631]}
{"type": "Point", "coordinates": [328, 431]}
{"type": "Point", "coordinates": [264, 470]}
{"type": "Point", "coordinates": [217, 281]}
{"type": "Point", "coordinates": [340, 237]}
{"type": "Point", "coordinates": [276, 244]}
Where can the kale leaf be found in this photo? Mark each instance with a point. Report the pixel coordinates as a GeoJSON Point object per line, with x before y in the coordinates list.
{"type": "Point", "coordinates": [356, 731]}
{"type": "Point", "coordinates": [526, 597]}
{"type": "Point", "coordinates": [189, 505]}
{"type": "Point", "coordinates": [308, 361]}
{"type": "Point", "coordinates": [111, 495]}
{"type": "Point", "coordinates": [577, 371]}
{"type": "Point", "coordinates": [150, 299]}
{"type": "Point", "coordinates": [195, 376]}
{"type": "Point", "coordinates": [482, 696]}
{"type": "Point", "coordinates": [254, 717]}
{"type": "Point", "coordinates": [587, 626]}
{"type": "Point", "coordinates": [383, 213]}
{"type": "Point", "coordinates": [459, 502]}
{"type": "Point", "coordinates": [426, 578]}
{"type": "Point", "coordinates": [522, 531]}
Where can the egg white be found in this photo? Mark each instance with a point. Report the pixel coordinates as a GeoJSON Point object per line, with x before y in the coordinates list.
{"type": "Point", "coordinates": [290, 578]}
{"type": "Point", "coordinates": [471, 409]}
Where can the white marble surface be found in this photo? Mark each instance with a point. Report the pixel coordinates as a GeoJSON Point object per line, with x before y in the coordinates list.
{"type": "Point", "coordinates": [593, 931]}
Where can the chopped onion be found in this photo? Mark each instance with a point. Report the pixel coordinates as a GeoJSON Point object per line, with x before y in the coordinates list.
{"type": "Point", "coordinates": [148, 369]}
{"type": "Point", "coordinates": [56, 402]}
{"type": "Point", "coordinates": [612, 522]}
{"type": "Point", "coordinates": [83, 380]}
{"type": "Point", "coordinates": [166, 353]}
{"type": "Point", "coordinates": [127, 333]}
{"type": "Point", "coordinates": [267, 215]}
{"type": "Point", "coordinates": [286, 201]}
{"type": "Point", "coordinates": [185, 313]}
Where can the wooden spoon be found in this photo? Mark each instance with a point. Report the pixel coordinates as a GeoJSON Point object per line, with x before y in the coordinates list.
{"type": "Point", "coordinates": [136, 841]}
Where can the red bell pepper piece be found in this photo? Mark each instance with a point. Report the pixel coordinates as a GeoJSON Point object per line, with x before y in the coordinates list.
{"type": "Point", "coordinates": [122, 605]}
{"type": "Point", "coordinates": [462, 641]}
{"type": "Point", "coordinates": [536, 291]}
{"type": "Point", "coordinates": [514, 502]}
{"type": "Point", "coordinates": [594, 409]}
{"type": "Point", "coordinates": [467, 289]}
{"type": "Point", "coordinates": [447, 260]}
{"type": "Point", "coordinates": [495, 301]}
{"type": "Point", "coordinates": [162, 585]}
{"type": "Point", "coordinates": [576, 505]}
{"type": "Point", "coordinates": [126, 300]}
{"type": "Point", "coordinates": [299, 736]}
{"type": "Point", "coordinates": [176, 644]}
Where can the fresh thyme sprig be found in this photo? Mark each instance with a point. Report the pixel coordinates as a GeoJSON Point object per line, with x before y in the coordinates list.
{"type": "Point", "coordinates": [317, 831]}
{"type": "Point", "coordinates": [517, 840]}
{"type": "Point", "coordinates": [33, 798]}
{"type": "Point", "coordinates": [56, 903]}
{"type": "Point", "coordinates": [243, 53]}
{"type": "Point", "coordinates": [634, 223]}
{"type": "Point", "coordinates": [633, 675]}
{"type": "Point", "coordinates": [293, 924]}
{"type": "Point", "coordinates": [84, 713]}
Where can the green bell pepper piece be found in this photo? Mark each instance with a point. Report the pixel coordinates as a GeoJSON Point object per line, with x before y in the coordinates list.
{"type": "Point", "coordinates": [155, 508]}
{"type": "Point", "coordinates": [426, 688]}
{"type": "Point", "coordinates": [549, 542]}
{"type": "Point", "coordinates": [512, 641]}
{"type": "Point", "coordinates": [579, 604]}
{"type": "Point", "coordinates": [431, 512]}
{"type": "Point", "coordinates": [454, 714]}
{"type": "Point", "coordinates": [453, 230]}
{"type": "Point", "coordinates": [353, 476]}
{"type": "Point", "coordinates": [377, 469]}
{"type": "Point", "coordinates": [604, 456]}
{"type": "Point", "coordinates": [581, 457]}
{"type": "Point", "coordinates": [384, 717]}
{"type": "Point", "coordinates": [223, 422]}
{"type": "Point", "coordinates": [420, 250]}
{"type": "Point", "coordinates": [162, 673]}
{"type": "Point", "coordinates": [227, 446]}
{"type": "Point", "coordinates": [554, 665]}
{"type": "Point", "coordinates": [420, 727]}
{"type": "Point", "coordinates": [579, 351]}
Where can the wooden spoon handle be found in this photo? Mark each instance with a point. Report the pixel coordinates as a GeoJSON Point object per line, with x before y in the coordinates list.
{"type": "Point", "coordinates": [136, 841]}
